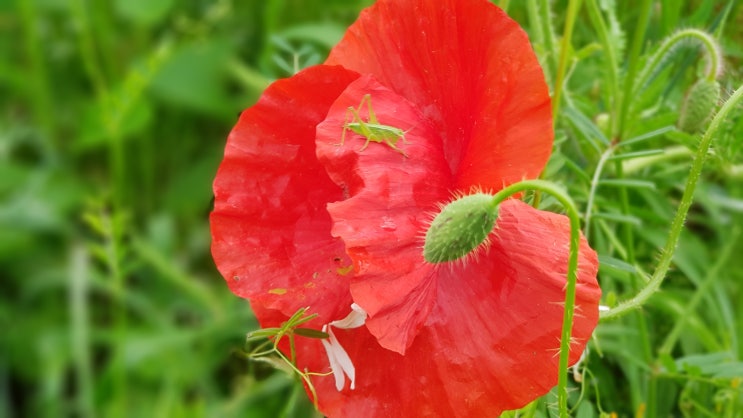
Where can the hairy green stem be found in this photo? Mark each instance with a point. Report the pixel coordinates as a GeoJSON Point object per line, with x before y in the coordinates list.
{"type": "Point", "coordinates": [690, 306]}
{"type": "Point", "coordinates": [572, 277]}
{"type": "Point", "coordinates": [670, 45]}
{"type": "Point", "coordinates": [678, 221]}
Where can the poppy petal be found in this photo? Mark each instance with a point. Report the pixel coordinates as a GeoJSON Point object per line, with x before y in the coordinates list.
{"type": "Point", "coordinates": [270, 231]}
{"type": "Point", "coordinates": [471, 70]}
{"type": "Point", "coordinates": [391, 194]}
{"type": "Point", "coordinates": [491, 342]}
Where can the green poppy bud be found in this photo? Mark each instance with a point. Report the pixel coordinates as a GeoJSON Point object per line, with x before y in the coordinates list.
{"type": "Point", "coordinates": [460, 227]}
{"type": "Point", "coordinates": [699, 104]}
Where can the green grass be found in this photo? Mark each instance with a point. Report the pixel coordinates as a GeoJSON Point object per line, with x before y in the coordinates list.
{"type": "Point", "coordinates": [114, 118]}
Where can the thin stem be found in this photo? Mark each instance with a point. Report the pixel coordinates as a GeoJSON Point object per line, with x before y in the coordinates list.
{"type": "Point", "coordinates": [611, 65]}
{"type": "Point", "coordinates": [629, 236]}
{"type": "Point", "coordinates": [626, 99]}
{"type": "Point", "coordinates": [543, 31]}
{"type": "Point", "coordinates": [710, 278]}
{"type": "Point", "coordinates": [250, 79]}
{"type": "Point", "coordinates": [86, 44]}
{"type": "Point", "coordinates": [678, 221]}
{"type": "Point", "coordinates": [594, 186]}
{"type": "Point", "coordinates": [565, 51]}
{"type": "Point", "coordinates": [572, 277]}
{"type": "Point", "coordinates": [671, 153]}
{"type": "Point", "coordinates": [80, 329]}
{"type": "Point", "coordinates": [662, 56]}
{"type": "Point", "coordinates": [633, 62]}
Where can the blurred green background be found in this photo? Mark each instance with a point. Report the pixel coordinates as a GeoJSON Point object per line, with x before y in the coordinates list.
{"type": "Point", "coordinates": [113, 119]}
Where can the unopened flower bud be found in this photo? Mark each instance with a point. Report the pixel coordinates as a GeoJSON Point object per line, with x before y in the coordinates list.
{"type": "Point", "coordinates": [699, 105]}
{"type": "Point", "coordinates": [460, 228]}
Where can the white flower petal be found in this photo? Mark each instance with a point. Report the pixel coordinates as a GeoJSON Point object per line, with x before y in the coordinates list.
{"type": "Point", "coordinates": [340, 378]}
{"type": "Point", "coordinates": [355, 319]}
{"type": "Point", "coordinates": [340, 361]}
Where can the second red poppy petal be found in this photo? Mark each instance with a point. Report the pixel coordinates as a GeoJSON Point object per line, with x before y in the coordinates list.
{"type": "Point", "coordinates": [471, 70]}
{"type": "Point", "coordinates": [270, 231]}
{"type": "Point", "coordinates": [392, 189]}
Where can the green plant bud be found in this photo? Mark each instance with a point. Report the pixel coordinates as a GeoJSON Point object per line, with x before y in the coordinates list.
{"type": "Point", "coordinates": [460, 228]}
{"type": "Point", "coordinates": [699, 105]}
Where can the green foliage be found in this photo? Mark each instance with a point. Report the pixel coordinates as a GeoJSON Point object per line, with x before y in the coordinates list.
{"type": "Point", "coordinates": [114, 117]}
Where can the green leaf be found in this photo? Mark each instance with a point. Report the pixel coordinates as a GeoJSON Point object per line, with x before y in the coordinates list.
{"type": "Point", "coordinates": [311, 333]}
{"type": "Point", "coordinates": [144, 12]}
{"type": "Point", "coordinates": [616, 217]}
{"type": "Point", "coordinates": [630, 183]}
{"type": "Point", "coordinates": [616, 264]}
{"type": "Point", "coordinates": [325, 34]}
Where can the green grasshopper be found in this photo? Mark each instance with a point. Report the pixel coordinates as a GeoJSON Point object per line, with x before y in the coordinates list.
{"type": "Point", "coordinates": [371, 129]}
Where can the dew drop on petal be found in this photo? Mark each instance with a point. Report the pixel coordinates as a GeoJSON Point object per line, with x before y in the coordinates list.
{"type": "Point", "coordinates": [388, 224]}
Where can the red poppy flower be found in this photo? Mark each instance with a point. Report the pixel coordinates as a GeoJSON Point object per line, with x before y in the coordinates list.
{"type": "Point", "coordinates": [303, 220]}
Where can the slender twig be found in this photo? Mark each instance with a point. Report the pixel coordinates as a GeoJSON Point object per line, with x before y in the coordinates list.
{"type": "Point", "coordinates": [572, 277]}
{"type": "Point", "coordinates": [677, 224]}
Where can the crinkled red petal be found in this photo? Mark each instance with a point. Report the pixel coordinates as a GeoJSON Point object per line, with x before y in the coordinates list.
{"type": "Point", "coordinates": [392, 194]}
{"type": "Point", "coordinates": [478, 335]}
{"type": "Point", "coordinates": [491, 342]}
{"type": "Point", "coordinates": [270, 230]}
{"type": "Point", "coordinates": [470, 69]}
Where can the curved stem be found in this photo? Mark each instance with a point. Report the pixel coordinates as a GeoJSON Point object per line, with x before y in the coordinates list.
{"type": "Point", "coordinates": [572, 278]}
{"type": "Point", "coordinates": [660, 59]}
{"type": "Point", "coordinates": [678, 221]}
{"type": "Point", "coordinates": [701, 292]}
{"type": "Point", "coordinates": [594, 186]}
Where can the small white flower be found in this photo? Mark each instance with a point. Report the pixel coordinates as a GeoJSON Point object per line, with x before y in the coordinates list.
{"type": "Point", "coordinates": [340, 362]}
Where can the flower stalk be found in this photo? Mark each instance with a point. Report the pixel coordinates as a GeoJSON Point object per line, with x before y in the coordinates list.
{"type": "Point", "coordinates": [458, 216]}
{"type": "Point", "coordinates": [655, 281]}
{"type": "Point", "coordinates": [572, 277]}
